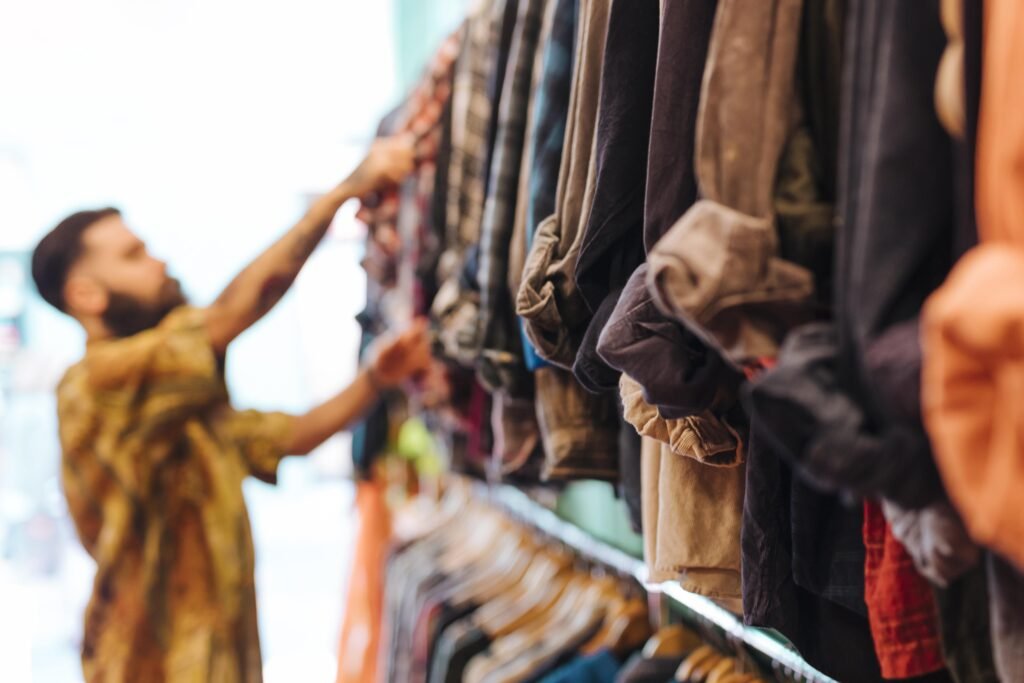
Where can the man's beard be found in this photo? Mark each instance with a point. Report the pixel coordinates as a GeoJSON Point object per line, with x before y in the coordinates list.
{"type": "Point", "coordinates": [126, 316]}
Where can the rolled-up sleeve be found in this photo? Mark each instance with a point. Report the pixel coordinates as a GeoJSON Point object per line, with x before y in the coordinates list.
{"type": "Point", "coordinates": [262, 439]}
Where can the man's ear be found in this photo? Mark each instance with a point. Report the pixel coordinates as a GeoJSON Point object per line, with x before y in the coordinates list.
{"type": "Point", "coordinates": [85, 296]}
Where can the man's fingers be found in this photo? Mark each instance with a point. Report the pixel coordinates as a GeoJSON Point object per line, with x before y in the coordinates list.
{"type": "Point", "coordinates": [416, 334]}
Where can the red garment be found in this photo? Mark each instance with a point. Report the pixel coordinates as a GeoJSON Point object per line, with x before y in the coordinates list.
{"type": "Point", "coordinates": [361, 628]}
{"type": "Point", "coordinates": [901, 606]}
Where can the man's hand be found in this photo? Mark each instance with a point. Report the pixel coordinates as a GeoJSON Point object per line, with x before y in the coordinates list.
{"type": "Point", "coordinates": [259, 287]}
{"type": "Point", "coordinates": [388, 163]}
{"type": "Point", "coordinates": [402, 357]}
{"type": "Point", "coordinates": [396, 360]}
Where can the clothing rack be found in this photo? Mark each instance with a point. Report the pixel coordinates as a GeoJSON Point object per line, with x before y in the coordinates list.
{"type": "Point", "coordinates": [785, 662]}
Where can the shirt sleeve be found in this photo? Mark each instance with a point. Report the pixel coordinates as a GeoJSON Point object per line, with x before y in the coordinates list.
{"type": "Point", "coordinates": [164, 375]}
{"type": "Point", "coordinates": [262, 440]}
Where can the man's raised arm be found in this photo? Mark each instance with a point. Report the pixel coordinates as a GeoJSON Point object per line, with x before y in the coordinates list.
{"type": "Point", "coordinates": [259, 287]}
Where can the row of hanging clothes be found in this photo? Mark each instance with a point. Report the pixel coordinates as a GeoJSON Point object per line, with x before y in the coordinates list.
{"type": "Point", "coordinates": [478, 592]}
{"type": "Point", "coordinates": [722, 254]}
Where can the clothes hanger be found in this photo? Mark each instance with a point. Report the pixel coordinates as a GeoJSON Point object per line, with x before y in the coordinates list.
{"type": "Point", "coordinates": [740, 678]}
{"type": "Point", "coordinates": [498, 572]}
{"type": "Point", "coordinates": [496, 575]}
{"type": "Point", "coordinates": [615, 603]}
{"type": "Point", "coordinates": [559, 635]}
{"type": "Point", "coordinates": [542, 585]}
{"type": "Point", "coordinates": [539, 590]}
{"type": "Point", "coordinates": [520, 617]}
{"type": "Point", "coordinates": [703, 671]}
{"type": "Point", "coordinates": [703, 655]}
{"type": "Point", "coordinates": [466, 545]}
{"type": "Point", "coordinates": [475, 543]}
{"type": "Point", "coordinates": [722, 669]}
{"type": "Point", "coordinates": [578, 608]}
{"type": "Point", "coordinates": [626, 624]}
{"type": "Point", "coordinates": [628, 630]}
{"type": "Point", "coordinates": [513, 645]}
{"type": "Point", "coordinates": [673, 641]}
{"type": "Point", "coordinates": [574, 599]}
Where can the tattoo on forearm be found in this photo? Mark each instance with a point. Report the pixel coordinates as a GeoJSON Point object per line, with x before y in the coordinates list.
{"type": "Point", "coordinates": [274, 287]}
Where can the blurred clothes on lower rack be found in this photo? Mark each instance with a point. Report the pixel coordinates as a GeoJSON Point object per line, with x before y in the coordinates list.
{"type": "Point", "coordinates": [481, 597]}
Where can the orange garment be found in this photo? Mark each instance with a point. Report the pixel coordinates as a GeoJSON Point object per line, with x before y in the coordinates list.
{"type": "Point", "coordinates": [361, 628]}
{"type": "Point", "coordinates": [973, 376]}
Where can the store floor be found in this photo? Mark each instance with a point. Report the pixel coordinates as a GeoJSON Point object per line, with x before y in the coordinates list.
{"type": "Point", "coordinates": [303, 532]}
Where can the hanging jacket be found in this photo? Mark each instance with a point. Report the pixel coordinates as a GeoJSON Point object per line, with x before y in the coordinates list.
{"type": "Point", "coordinates": [691, 520]}
{"type": "Point", "coordinates": [679, 373]}
{"type": "Point", "coordinates": [612, 242]}
{"type": "Point", "coordinates": [474, 98]}
{"type": "Point", "coordinates": [551, 111]}
{"type": "Point", "coordinates": [682, 53]}
{"type": "Point", "coordinates": [548, 300]}
{"type": "Point", "coordinates": [718, 270]}
{"type": "Point", "coordinates": [670, 365]}
{"type": "Point", "coordinates": [895, 242]}
{"type": "Point", "coordinates": [500, 365]}
{"type": "Point", "coordinates": [578, 429]}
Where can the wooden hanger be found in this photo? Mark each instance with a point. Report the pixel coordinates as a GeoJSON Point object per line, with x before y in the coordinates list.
{"type": "Point", "coordinates": [496, 580]}
{"type": "Point", "coordinates": [698, 659]}
{"type": "Point", "coordinates": [499, 573]}
{"type": "Point", "coordinates": [582, 599]}
{"type": "Point", "coordinates": [704, 669]}
{"type": "Point", "coordinates": [722, 669]}
{"type": "Point", "coordinates": [549, 598]}
{"type": "Point", "coordinates": [573, 625]}
{"type": "Point", "coordinates": [537, 592]}
{"type": "Point", "coordinates": [741, 678]}
{"type": "Point", "coordinates": [543, 567]}
{"type": "Point", "coordinates": [518, 643]}
{"type": "Point", "coordinates": [673, 640]}
{"type": "Point", "coordinates": [615, 604]}
{"type": "Point", "coordinates": [482, 540]}
{"type": "Point", "coordinates": [555, 609]}
{"type": "Point", "coordinates": [587, 592]}
{"type": "Point", "coordinates": [629, 628]}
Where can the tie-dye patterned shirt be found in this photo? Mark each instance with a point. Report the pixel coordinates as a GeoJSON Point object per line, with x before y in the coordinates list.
{"type": "Point", "coordinates": [153, 462]}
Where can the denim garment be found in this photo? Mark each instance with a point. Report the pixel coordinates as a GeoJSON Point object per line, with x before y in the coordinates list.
{"type": "Point", "coordinates": [551, 109]}
{"type": "Point", "coordinates": [548, 301]}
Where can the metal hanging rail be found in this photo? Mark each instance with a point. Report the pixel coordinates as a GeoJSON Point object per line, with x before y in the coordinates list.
{"type": "Point", "coordinates": [784, 661]}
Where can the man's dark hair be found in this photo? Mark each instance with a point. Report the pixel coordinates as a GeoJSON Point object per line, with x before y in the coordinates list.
{"type": "Point", "coordinates": [59, 250]}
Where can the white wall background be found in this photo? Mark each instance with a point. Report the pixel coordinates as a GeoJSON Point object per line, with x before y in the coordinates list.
{"type": "Point", "coordinates": [209, 123]}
